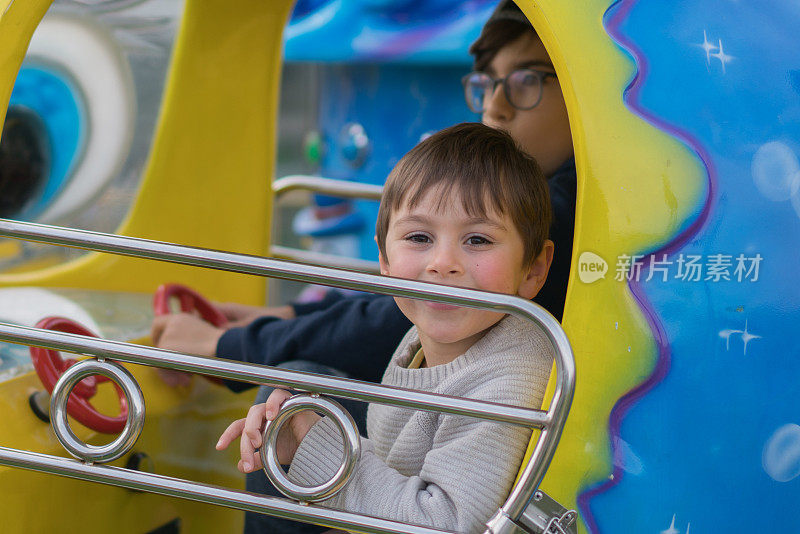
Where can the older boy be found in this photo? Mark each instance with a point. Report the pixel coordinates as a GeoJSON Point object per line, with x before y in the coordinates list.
{"type": "Point", "coordinates": [465, 208]}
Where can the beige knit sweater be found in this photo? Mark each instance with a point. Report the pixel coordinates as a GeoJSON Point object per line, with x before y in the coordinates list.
{"type": "Point", "coordinates": [433, 469]}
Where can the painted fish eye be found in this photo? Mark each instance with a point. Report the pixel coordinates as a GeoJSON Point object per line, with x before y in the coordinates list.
{"type": "Point", "coordinates": [24, 160]}
{"type": "Point", "coordinates": [84, 122]}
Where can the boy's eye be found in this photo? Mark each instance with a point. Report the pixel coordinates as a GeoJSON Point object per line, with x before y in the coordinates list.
{"type": "Point", "coordinates": [418, 238]}
{"type": "Point", "coordinates": [476, 240]}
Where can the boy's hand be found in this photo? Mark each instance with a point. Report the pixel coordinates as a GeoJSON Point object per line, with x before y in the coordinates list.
{"type": "Point", "coordinates": [242, 315]}
{"type": "Point", "coordinates": [251, 429]}
{"type": "Point", "coordinates": [183, 332]}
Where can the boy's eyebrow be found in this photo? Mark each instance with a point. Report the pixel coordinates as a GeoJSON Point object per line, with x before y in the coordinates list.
{"type": "Point", "coordinates": [534, 63]}
{"type": "Point", "coordinates": [415, 218]}
{"type": "Point", "coordinates": [412, 219]}
{"type": "Point", "coordinates": [488, 222]}
{"type": "Point", "coordinates": [525, 64]}
{"type": "Point", "coordinates": [472, 220]}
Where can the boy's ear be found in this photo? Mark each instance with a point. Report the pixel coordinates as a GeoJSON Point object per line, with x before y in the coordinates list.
{"type": "Point", "coordinates": [537, 273]}
{"type": "Point", "coordinates": [381, 260]}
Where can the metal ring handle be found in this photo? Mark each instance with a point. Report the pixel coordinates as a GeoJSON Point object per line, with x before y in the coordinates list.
{"type": "Point", "coordinates": [58, 411]}
{"type": "Point", "coordinates": [351, 453]}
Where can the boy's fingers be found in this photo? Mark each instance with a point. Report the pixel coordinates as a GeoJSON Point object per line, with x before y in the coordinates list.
{"type": "Point", "coordinates": [233, 431]}
{"type": "Point", "coordinates": [251, 436]}
{"type": "Point", "coordinates": [275, 401]}
{"type": "Point", "coordinates": [251, 429]}
{"type": "Point", "coordinates": [254, 422]}
{"type": "Point", "coordinates": [255, 467]}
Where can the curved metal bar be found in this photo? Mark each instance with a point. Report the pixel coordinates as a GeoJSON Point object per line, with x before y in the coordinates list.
{"type": "Point", "coordinates": [58, 411]}
{"type": "Point", "coordinates": [206, 493]}
{"type": "Point", "coordinates": [565, 364]}
{"type": "Point", "coordinates": [351, 454]}
{"type": "Point", "coordinates": [326, 186]}
{"type": "Point", "coordinates": [319, 258]}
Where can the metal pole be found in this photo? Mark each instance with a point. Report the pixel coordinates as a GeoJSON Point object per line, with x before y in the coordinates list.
{"type": "Point", "coordinates": [326, 186]}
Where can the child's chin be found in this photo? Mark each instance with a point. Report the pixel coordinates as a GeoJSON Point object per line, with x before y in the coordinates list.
{"type": "Point", "coordinates": [446, 334]}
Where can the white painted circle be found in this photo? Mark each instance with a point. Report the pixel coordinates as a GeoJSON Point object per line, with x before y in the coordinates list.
{"type": "Point", "coordinates": [776, 171]}
{"type": "Point", "coordinates": [89, 54]}
{"type": "Point", "coordinates": [781, 456]}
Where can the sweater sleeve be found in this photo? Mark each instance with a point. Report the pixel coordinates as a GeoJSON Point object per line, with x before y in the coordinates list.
{"type": "Point", "coordinates": [465, 477]}
{"type": "Point", "coordinates": [356, 335]}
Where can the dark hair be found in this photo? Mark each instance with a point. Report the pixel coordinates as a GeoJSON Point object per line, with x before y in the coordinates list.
{"type": "Point", "coordinates": [503, 27]}
{"type": "Point", "coordinates": [486, 168]}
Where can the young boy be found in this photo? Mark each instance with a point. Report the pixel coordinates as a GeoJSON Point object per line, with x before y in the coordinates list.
{"type": "Point", "coordinates": [466, 207]}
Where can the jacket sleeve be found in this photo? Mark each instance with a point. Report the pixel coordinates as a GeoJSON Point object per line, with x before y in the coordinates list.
{"type": "Point", "coordinates": [330, 298]}
{"type": "Point", "coordinates": [356, 335]}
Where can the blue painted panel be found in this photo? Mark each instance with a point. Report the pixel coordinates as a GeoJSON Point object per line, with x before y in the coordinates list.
{"type": "Point", "coordinates": [405, 31]}
{"type": "Point", "coordinates": [714, 445]}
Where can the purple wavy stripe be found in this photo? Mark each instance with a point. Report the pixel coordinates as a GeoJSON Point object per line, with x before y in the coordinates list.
{"type": "Point", "coordinates": [615, 15]}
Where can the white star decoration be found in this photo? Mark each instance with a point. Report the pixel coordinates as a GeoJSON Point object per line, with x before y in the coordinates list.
{"type": "Point", "coordinates": [718, 52]}
{"type": "Point", "coordinates": [671, 529]}
{"type": "Point", "coordinates": [747, 337]}
{"type": "Point", "coordinates": [707, 48]}
{"type": "Point", "coordinates": [723, 57]}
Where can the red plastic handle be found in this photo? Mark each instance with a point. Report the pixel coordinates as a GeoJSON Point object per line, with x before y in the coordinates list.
{"type": "Point", "coordinates": [50, 366]}
{"type": "Point", "coordinates": [190, 300]}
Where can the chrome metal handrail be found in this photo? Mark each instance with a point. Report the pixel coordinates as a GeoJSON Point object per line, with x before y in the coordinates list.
{"type": "Point", "coordinates": [320, 258]}
{"type": "Point", "coordinates": [552, 420]}
{"type": "Point", "coordinates": [326, 186]}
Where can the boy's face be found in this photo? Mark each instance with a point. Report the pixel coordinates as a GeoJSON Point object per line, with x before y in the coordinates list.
{"type": "Point", "coordinates": [543, 132]}
{"type": "Point", "coordinates": [450, 247]}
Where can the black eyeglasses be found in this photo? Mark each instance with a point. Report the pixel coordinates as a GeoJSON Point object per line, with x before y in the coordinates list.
{"type": "Point", "coordinates": [523, 88]}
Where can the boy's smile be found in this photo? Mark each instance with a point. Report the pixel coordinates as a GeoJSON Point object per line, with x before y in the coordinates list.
{"type": "Point", "coordinates": [440, 242]}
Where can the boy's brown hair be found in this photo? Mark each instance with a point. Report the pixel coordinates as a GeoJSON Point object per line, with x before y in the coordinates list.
{"type": "Point", "coordinates": [483, 167]}
{"type": "Point", "coordinates": [505, 26]}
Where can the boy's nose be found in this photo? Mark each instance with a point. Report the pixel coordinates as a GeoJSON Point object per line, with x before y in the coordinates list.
{"type": "Point", "coordinates": [498, 108]}
{"type": "Point", "coordinates": [445, 262]}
